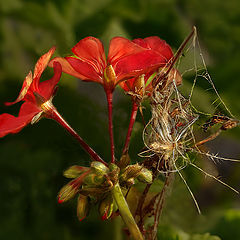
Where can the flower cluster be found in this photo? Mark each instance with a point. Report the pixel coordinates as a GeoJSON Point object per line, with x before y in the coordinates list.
{"type": "Point", "coordinates": [136, 66]}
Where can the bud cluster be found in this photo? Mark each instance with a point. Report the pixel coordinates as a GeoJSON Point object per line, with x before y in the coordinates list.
{"type": "Point", "coordinates": [94, 184]}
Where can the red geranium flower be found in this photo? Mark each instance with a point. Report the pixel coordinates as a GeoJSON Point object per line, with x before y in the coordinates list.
{"type": "Point", "coordinates": [36, 95]}
{"type": "Point", "coordinates": [125, 59]}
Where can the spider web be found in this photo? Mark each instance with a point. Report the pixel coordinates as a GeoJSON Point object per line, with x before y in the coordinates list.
{"type": "Point", "coordinates": [177, 113]}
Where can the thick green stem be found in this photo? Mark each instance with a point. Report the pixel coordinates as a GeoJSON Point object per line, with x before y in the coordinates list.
{"type": "Point", "coordinates": [125, 212]}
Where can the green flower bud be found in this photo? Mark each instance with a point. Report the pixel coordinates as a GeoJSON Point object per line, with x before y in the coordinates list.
{"type": "Point", "coordinates": [145, 176]}
{"type": "Point", "coordinates": [83, 207]}
{"type": "Point", "coordinates": [113, 167]}
{"type": "Point", "coordinates": [75, 171]}
{"type": "Point", "coordinates": [130, 182]}
{"type": "Point", "coordinates": [114, 172]}
{"type": "Point", "coordinates": [99, 168]}
{"type": "Point", "coordinates": [93, 179]}
{"type": "Point", "coordinates": [124, 161]}
{"type": "Point", "coordinates": [67, 192]}
{"type": "Point", "coordinates": [106, 207]}
{"type": "Point", "coordinates": [131, 171]}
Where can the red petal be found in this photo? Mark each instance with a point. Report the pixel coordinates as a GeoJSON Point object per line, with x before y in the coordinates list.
{"type": "Point", "coordinates": [47, 87]}
{"type": "Point", "coordinates": [66, 67]}
{"type": "Point", "coordinates": [87, 71]}
{"type": "Point", "coordinates": [139, 63]}
{"type": "Point", "coordinates": [121, 47]}
{"type": "Point", "coordinates": [42, 63]}
{"type": "Point", "coordinates": [26, 84]}
{"type": "Point", "coordinates": [127, 85]}
{"type": "Point", "coordinates": [91, 50]}
{"type": "Point", "coordinates": [156, 44]}
{"type": "Point", "coordinates": [11, 124]}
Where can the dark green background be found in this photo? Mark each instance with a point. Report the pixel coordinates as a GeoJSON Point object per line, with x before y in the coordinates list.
{"type": "Point", "coordinates": [32, 161]}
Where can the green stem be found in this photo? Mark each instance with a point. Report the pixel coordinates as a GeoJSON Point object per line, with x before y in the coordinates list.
{"type": "Point", "coordinates": [125, 212]}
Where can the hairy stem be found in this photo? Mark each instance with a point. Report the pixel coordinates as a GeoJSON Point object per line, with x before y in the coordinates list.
{"type": "Point", "coordinates": [130, 126]}
{"type": "Point", "coordinates": [110, 124]}
{"type": "Point", "coordinates": [58, 118]}
{"type": "Point", "coordinates": [125, 212]}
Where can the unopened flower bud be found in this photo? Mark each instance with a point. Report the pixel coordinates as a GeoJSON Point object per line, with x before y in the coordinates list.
{"type": "Point", "coordinates": [93, 179]}
{"type": "Point", "coordinates": [83, 207]}
{"type": "Point", "coordinates": [130, 182]}
{"type": "Point", "coordinates": [99, 168]}
{"type": "Point", "coordinates": [113, 167]}
{"type": "Point", "coordinates": [124, 161]}
{"type": "Point", "coordinates": [67, 192]}
{"type": "Point", "coordinates": [114, 172]}
{"type": "Point", "coordinates": [106, 207]}
{"type": "Point", "coordinates": [145, 176]}
{"type": "Point", "coordinates": [75, 171]}
{"type": "Point", "coordinates": [131, 171]}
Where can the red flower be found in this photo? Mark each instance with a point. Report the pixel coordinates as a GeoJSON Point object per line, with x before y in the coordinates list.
{"type": "Point", "coordinates": [125, 60]}
{"type": "Point", "coordinates": [36, 95]}
{"type": "Point", "coordinates": [141, 86]}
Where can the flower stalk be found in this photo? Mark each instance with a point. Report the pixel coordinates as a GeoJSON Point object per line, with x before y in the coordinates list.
{"type": "Point", "coordinates": [125, 212]}
{"type": "Point", "coordinates": [130, 126]}
{"type": "Point", "coordinates": [109, 95]}
{"type": "Point", "coordinates": [58, 118]}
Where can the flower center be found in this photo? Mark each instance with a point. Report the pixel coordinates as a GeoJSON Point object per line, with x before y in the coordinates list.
{"type": "Point", "coordinates": [47, 106]}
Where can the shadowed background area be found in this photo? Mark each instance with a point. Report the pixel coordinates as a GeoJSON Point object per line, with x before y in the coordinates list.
{"type": "Point", "coordinates": [32, 161]}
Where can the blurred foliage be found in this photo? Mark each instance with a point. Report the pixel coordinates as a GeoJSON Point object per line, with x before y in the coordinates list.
{"type": "Point", "coordinates": [32, 161]}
